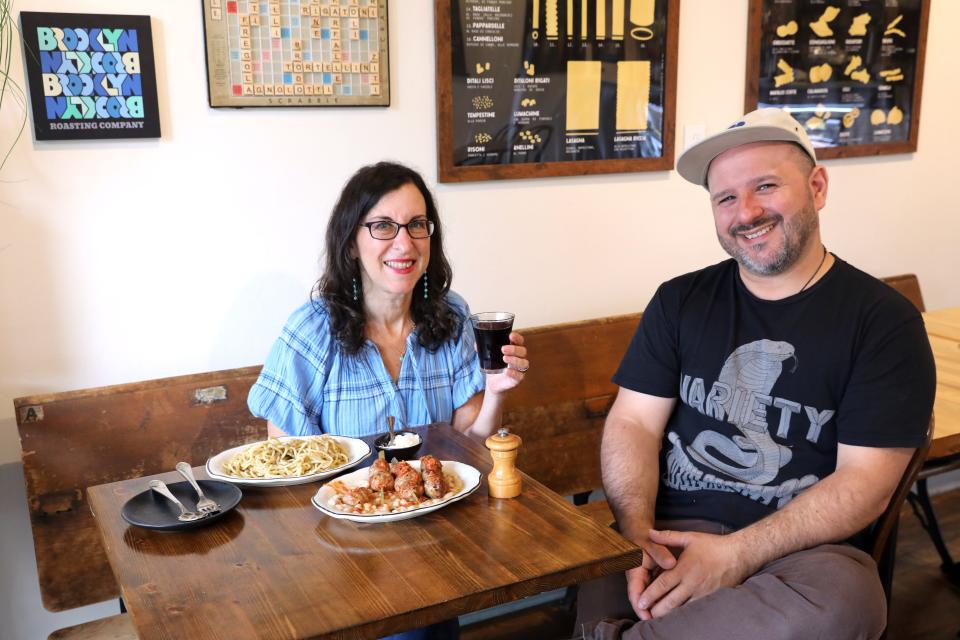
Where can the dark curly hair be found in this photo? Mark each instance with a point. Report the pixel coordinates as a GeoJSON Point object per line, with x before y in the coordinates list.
{"type": "Point", "coordinates": [435, 320]}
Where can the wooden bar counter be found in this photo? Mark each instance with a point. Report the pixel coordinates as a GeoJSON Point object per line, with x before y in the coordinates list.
{"type": "Point", "coordinates": [276, 567]}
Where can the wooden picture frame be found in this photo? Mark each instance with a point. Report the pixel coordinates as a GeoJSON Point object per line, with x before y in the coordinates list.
{"type": "Point", "coordinates": [311, 53]}
{"type": "Point", "coordinates": [505, 74]}
{"type": "Point", "coordinates": [850, 71]}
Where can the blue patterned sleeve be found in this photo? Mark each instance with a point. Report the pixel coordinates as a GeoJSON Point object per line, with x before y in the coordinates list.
{"type": "Point", "coordinates": [468, 379]}
{"type": "Point", "coordinates": [289, 391]}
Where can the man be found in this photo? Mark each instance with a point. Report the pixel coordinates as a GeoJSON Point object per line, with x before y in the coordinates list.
{"type": "Point", "coordinates": [768, 407]}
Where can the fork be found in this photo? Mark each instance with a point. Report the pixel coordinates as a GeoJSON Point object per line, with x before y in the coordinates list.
{"type": "Point", "coordinates": [185, 516]}
{"type": "Point", "coordinates": [204, 504]}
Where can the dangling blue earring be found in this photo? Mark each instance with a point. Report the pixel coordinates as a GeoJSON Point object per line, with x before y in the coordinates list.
{"type": "Point", "coordinates": [355, 296]}
{"type": "Point", "coordinates": [425, 286]}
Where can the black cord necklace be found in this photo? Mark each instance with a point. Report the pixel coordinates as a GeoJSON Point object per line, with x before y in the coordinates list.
{"type": "Point", "coordinates": [814, 275]}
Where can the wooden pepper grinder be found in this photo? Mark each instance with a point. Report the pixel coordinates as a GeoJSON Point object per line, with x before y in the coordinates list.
{"type": "Point", "coordinates": [504, 480]}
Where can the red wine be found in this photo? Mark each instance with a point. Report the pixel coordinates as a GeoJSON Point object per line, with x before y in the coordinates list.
{"type": "Point", "coordinates": [491, 336]}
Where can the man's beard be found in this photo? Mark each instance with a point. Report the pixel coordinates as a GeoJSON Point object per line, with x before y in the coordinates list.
{"type": "Point", "coordinates": [796, 235]}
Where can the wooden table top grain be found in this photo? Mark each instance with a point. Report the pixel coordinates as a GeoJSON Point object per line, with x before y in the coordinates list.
{"type": "Point", "coordinates": [946, 408]}
{"type": "Point", "coordinates": [276, 567]}
{"type": "Point", "coordinates": [943, 322]}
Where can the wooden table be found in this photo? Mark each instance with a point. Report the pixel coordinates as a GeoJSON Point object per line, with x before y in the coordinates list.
{"type": "Point", "coordinates": [943, 329]}
{"type": "Point", "coordinates": [278, 568]}
{"type": "Point", "coordinates": [944, 323]}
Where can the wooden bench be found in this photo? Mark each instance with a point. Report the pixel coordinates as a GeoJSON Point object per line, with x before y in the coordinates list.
{"type": "Point", "coordinates": [560, 408]}
{"type": "Point", "coordinates": [82, 438]}
{"type": "Point", "coordinates": [77, 439]}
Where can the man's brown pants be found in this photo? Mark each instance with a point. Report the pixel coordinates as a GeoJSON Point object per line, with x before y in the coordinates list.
{"type": "Point", "coordinates": [831, 591]}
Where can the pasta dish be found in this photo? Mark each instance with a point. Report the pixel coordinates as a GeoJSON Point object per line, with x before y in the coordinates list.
{"type": "Point", "coordinates": [287, 458]}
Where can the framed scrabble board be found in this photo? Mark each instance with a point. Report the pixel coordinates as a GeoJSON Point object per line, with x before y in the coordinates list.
{"type": "Point", "coordinates": [313, 53]}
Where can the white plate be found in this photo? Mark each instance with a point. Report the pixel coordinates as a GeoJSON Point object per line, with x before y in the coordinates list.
{"type": "Point", "coordinates": [469, 476]}
{"type": "Point", "coordinates": [357, 451]}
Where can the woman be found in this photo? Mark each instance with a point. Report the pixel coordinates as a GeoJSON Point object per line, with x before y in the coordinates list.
{"type": "Point", "coordinates": [383, 334]}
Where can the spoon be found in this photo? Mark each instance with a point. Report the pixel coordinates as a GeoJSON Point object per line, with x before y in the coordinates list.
{"type": "Point", "coordinates": [390, 429]}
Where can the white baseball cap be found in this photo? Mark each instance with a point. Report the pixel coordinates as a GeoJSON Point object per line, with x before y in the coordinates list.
{"type": "Point", "coordinates": [762, 125]}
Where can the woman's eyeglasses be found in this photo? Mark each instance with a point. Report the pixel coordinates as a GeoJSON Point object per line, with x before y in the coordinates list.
{"type": "Point", "coordinates": [388, 229]}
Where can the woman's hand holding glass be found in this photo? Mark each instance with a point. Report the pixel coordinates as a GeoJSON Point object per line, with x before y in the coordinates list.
{"type": "Point", "coordinates": [515, 355]}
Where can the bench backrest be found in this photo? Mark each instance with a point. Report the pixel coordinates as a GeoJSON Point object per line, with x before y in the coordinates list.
{"type": "Point", "coordinates": [560, 407]}
{"type": "Point", "coordinates": [909, 287]}
{"type": "Point", "coordinates": [77, 439]}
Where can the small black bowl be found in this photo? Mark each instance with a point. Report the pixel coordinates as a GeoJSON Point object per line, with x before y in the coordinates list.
{"type": "Point", "coordinates": [400, 453]}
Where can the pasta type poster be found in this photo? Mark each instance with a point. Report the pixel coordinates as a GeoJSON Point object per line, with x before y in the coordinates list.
{"type": "Point", "coordinates": [849, 71]}
{"type": "Point", "coordinates": [556, 82]}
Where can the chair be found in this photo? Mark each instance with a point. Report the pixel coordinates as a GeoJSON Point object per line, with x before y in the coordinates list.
{"type": "Point", "coordinates": [908, 285]}
{"type": "Point", "coordinates": [881, 541]}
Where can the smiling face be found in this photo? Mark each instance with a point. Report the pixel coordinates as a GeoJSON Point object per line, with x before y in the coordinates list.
{"type": "Point", "coordinates": [393, 267]}
{"type": "Point", "coordinates": [766, 197]}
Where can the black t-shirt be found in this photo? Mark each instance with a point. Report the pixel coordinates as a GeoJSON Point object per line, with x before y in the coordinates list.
{"type": "Point", "coordinates": [767, 389]}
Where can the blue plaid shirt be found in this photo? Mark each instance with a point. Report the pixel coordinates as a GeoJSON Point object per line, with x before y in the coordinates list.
{"type": "Point", "coordinates": [308, 386]}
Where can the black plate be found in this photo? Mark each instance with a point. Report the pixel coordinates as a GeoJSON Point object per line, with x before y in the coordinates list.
{"type": "Point", "coordinates": [151, 510]}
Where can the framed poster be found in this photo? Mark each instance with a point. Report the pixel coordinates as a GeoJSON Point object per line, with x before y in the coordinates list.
{"type": "Point", "coordinates": [90, 75]}
{"type": "Point", "coordinates": [532, 88]}
{"type": "Point", "coordinates": [307, 53]}
{"type": "Point", "coordinates": [850, 71]}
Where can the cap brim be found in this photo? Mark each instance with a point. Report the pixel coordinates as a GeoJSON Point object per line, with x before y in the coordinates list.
{"type": "Point", "coordinates": [695, 161]}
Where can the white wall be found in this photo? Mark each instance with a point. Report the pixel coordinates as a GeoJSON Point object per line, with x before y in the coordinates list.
{"type": "Point", "coordinates": [130, 260]}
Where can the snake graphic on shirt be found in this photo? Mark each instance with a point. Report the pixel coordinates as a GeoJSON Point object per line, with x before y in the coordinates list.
{"type": "Point", "coordinates": [752, 458]}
